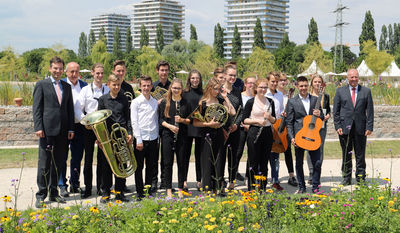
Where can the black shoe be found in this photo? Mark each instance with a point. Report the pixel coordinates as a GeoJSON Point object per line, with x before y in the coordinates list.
{"type": "Point", "coordinates": [162, 186]}
{"type": "Point", "coordinates": [127, 190]}
{"type": "Point", "coordinates": [39, 203]}
{"type": "Point", "coordinates": [74, 190]}
{"type": "Point", "coordinates": [292, 181]}
{"type": "Point", "coordinates": [98, 192]}
{"type": "Point", "coordinates": [58, 199]}
{"type": "Point", "coordinates": [345, 182]}
{"type": "Point", "coordinates": [139, 197]}
{"type": "Point", "coordinates": [87, 193]}
{"type": "Point", "coordinates": [153, 189]}
{"type": "Point", "coordinates": [185, 189]}
{"type": "Point", "coordinates": [239, 177]}
{"type": "Point", "coordinates": [121, 197]}
{"type": "Point", "coordinates": [301, 191]}
{"type": "Point", "coordinates": [64, 192]}
{"type": "Point", "coordinates": [309, 181]}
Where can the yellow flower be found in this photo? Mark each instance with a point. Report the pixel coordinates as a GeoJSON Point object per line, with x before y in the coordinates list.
{"type": "Point", "coordinates": [156, 222]}
{"type": "Point", "coordinates": [240, 229]}
{"type": "Point", "coordinates": [386, 179]}
{"type": "Point", "coordinates": [44, 211]}
{"type": "Point", "coordinates": [5, 218]}
{"type": "Point", "coordinates": [75, 217]}
{"type": "Point", "coordinates": [184, 215]}
{"type": "Point", "coordinates": [254, 206]}
{"type": "Point", "coordinates": [212, 199]}
{"type": "Point", "coordinates": [269, 191]}
{"type": "Point", "coordinates": [6, 198]}
{"type": "Point", "coordinates": [161, 230]}
{"type": "Point", "coordinates": [118, 201]}
{"type": "Point", "coordinates": [94, 210]}
{"type": "Point", "coordinates": [115, 192]}
{"type": "Point", "coordinates": [205, 222]}
{"type": "Point", "coordinates": [340, 186]}
{"type": "Point", "coordinates": [231, 215]}
{"type": "Point", "coordinates": [173, 221]}
{"type": "Point", "coordinates": [333, 189]}
{"type": "Point", "coordinates": [212, 219]}
{"type": "Point", "coordinates": [195, 214]}
{"type": "Point", "coordinates": [381, 198]}
{"type": "Point", "coordinates": [110, 204]}
{"type": "Point", "coordinates": [210, 228]}
{"type": "Point", "coordinates": [189, 210]}
{"type": "Point", "coordinates": [219, 231]}
{"type": "Point", "coordinates": [256, 226]}
{"type": "Point", "coordinates": [393, 210]}
{"type": "Point", "coordinates": [9, 209]}
{"type": "Point", "coordinates": [227, 224]}
{"type": "Point", "coordinates": [87, 202]}
{"type": "Point", "coordinates": [67, 208]}
{"type": "Point", "coordinates": [163, 209]}
{"type": "Point", "coordinates": [208, 216]}
{"type": "Point", "coordinates": [390, 203]}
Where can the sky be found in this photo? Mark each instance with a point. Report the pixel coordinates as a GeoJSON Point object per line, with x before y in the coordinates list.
{"type": "Point", "coordinates": [29, 24]}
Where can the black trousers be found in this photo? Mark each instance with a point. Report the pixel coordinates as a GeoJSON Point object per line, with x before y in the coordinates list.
{"type": "Point", "coordinates": [229, 150]}
{"type": "Point", "coordinates": [187, 151]}
{"type": "Point", "coordinates": [316, 162]}
{"type": "Point", "coordinates": [169, 148]}
{"type": "Point", "coordinates": [289, 157]}
{"type": "Point", "coordinates": [258, 154]}
{"type": "Point", "coordinates": [348, 142]}
{"type": "Point", "coordinates": [106, 179]}
{"type": "Point", "coordinates": [211, 145]}
{"type": "Point", "coordinates": [150, 155]}
{"type": "Point", "coordinates": [90, 139]}
{"type": "Point", "coordinates": [49, 164]}
{"type": "Point", "coordinates": [239, 154]}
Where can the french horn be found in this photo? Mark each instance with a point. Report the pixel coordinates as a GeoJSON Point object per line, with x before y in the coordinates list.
{"type": "Point", "coordinates": [159, 93]}
{"type": "Point", "coordinates": [118, 152]}
{"type": "Point", "coordinates": [218, 112]}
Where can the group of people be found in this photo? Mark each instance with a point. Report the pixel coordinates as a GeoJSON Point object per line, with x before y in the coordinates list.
{"type": "Point", "coordinates": [174, 121]}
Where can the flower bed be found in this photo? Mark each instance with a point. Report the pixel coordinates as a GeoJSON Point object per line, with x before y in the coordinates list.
{"type": "Point", "coordinates": [368, 208]}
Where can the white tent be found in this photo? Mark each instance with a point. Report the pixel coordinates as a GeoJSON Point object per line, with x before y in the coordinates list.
{"type": "Point", "coordinates": [85, 71]}
{"type": "Point", "coordinates": [182, 72]}
{"type": "Point", "coordinates": [391, 71]}
{"type": "Point", "coordinates": [342, 74]}
{"type": "Point", "coordinates": [312, 69]}
{"type": "Point", "coordinates": [364, 70]}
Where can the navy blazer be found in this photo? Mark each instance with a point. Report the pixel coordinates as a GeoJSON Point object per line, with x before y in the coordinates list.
{"type": "Point", "coordinates": [48, 114]}
{"type": "Point", "coordinates": [360, 116]}
{"type": "Point", "coordinates": [81, 83]}
{"type": "Point", "coordinates": [296, 113]}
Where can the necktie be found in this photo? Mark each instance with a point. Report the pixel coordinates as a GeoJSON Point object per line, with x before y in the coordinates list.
{"type": "Point", "coordinates": [58, 91]}
{"type": "Point", "coordinates": [353, 96]}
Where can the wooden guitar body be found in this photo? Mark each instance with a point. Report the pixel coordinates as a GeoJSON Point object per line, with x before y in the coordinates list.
{"type": "Point", "coordinates": [280, 143]}
{"type": "Point", "coordinates": [308, 137]}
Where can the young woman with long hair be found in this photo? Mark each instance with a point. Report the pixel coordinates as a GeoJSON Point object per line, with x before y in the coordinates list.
{"type": "Point", "coordinates": [259, 113]}
{"type": "Point", "coordinates": [212, 135]}
{"type": "Point", "coordinates": [171, 110]}
{"type": "Point", "coordinates": [192, 95]}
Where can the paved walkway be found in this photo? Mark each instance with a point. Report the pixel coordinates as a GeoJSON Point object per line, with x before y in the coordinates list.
{"type": "Point", "coordinates": [331, 177]}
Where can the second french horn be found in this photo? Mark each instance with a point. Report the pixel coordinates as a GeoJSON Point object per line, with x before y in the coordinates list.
{"type": "Point", "coordinates": [218, 112]}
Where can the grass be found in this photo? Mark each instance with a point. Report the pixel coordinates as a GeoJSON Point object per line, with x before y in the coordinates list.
{"type": "Point", "coordinates": [9, 158]}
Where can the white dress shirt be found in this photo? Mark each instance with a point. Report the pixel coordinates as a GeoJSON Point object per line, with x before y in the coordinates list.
{"type": "Point", "coordinates": [278, 101]}
{"type": "Point", "coordinates": [89, 97]}
{"type": "Point", "coordinates": [306, 103]}
{"type": "Point", "coordinates": [76, 89]}
{"type": "Point", "coordinates": [144, 117]}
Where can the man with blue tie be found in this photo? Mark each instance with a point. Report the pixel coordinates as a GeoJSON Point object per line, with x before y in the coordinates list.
{"type": "Point", "coordinates": [76, 145]}
{"type": "Point", "coordinates": [354, 120]}
{"type": "Point", "coordinates": [53, 116]}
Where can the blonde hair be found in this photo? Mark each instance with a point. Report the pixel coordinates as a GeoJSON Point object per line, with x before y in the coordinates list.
{"type": "Point", "coordinates": [261, 80]}
{"type": "Point", "coordinates": [169, 96]}
{"type": "Point", "coordinates": [207, 91]}
{"type": "Point", "coordinates": [113, 78]}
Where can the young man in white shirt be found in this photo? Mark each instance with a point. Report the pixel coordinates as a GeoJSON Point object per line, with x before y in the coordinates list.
{"type": "Point", "coordinates": [88, 98]}
{"type": "Point", "coordinates": [144, 117]}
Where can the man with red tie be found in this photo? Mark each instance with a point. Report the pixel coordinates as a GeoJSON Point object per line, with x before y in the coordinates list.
{"type": "Point", "coordinates": [354, 120]}
{"type": "Point", "coordinates": [53, 118]}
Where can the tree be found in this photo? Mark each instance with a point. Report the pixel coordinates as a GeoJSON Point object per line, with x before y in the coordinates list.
{"type": "Point", "coordinates": [260, 62]}
{"type": "Point", "coordinates": [102, 35]}
{"type": "Point", "coordinates": [219, 41]}
{"type": "Point", "coordinates": [117, 47]}
{"type": "Point", "coordinates": [100, 55]}
{"type": "Point", "coordinates": [177, 55]}
{"type": "Point", "coordinates": [315, 52]}
{"type": "Point", "coordinates": [91, 41]}
{"type": "Point", "coordinates": [383, 40]}
{"type": "Point", "coordinates": [236, 44]}
{"type": "Point", "coordinates": [193, 33]}
{"type": "Point", "coordinates": [258, 35]}
{"type": "Point", "coordinates": [348, 58]}
{"type": "Point", "coordinates": [396, 36]}
{"type": "Point", "coordinates": [33, 58]}
{"type": "Point", "coordinates": [128, 41]}
{"type": "Point", "coordinates": [368, 30]}
{"type": "Point", "coordinates": [83, 48]}
{"type": "Point", "coordinates": [132, 64]}
{"type": "Point", "coordinates": [56, 50]}
{"type": "Point", "coordinates": [159, 39]}
{"type": "Point", "coordinates": [144, 36]}
{"type": "Point", "coordinates": [390, 39]}
{"type": "Point", "coordinates": [284, 56]}
{"type": "Point", "coordinates": [205, 62]}
{"type": "Point", "coordinates": [376, 60]}
{"type": "Point", "coordinates": [176, 33]}
{"type": "Point", "coordinates": [312, 32]}
{"type": "Point", "coordinates": [148, 60]}
{"type": "Point", "coordinates": [10, 64]}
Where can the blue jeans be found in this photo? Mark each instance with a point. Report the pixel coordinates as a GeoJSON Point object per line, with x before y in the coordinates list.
{"type": "Point", "coordinates": [274, 163]}
{"type": "Point", "coordinates": [316, 161]}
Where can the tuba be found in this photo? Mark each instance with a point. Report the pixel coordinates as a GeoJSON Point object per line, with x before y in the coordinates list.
{"type": "Point", "coordinates": [117, 150]}
{"type": "Point", "coordinates": [159, 93]}
{"type": "Point", "coordinates": [218, 112]}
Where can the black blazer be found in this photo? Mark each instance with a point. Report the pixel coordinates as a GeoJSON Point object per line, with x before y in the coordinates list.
{"type": "Point", "coordinates": [48, 114]}
{"type": "Point", "coordinates": [346, 116]}
{"type": "Point", "coordinates": [296, 112]}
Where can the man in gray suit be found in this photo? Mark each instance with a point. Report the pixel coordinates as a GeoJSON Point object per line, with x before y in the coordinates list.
{"type": "Point", "coordinates": [297, 108]}
{"type": "Point", "coordinates": [53, 117]}
{"type": "Point", "coordinates": [354, 120]}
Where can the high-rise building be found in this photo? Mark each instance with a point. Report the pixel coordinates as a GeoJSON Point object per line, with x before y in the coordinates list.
{"type": "Point", "coordinates": [244, 13]}
{"type": "Point", "coordinates": [150, 13]}
{"type": "Point", "coordinates": [110, 22]}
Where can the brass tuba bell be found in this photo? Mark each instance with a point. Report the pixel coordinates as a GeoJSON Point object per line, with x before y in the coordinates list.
{"type": "Point", "coordinates": [118, 152]}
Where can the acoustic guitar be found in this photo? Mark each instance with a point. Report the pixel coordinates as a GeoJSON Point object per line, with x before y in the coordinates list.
{"type": "Point", "coordinates": [308, 137]}
{"type": "Point", "coordinates": [280, 143]}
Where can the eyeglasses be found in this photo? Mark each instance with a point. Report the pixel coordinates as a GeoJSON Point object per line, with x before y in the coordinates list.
{"type": "Point", "coordinates": [263, 87]}
{"type": "Point", "coordinates": [176, 88]}
{"type": "Point", "coordinates": [283, 80]}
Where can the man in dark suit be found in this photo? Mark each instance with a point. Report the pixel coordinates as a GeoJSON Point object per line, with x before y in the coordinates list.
{"type": "Point", "coordinates": [53, 116]}
{"type": "Point", "coordinates": [76, 145]}
{"type": "Point", "coordinates": [297, 108]}
{"type": "Point", "coordinates": [354, 120]}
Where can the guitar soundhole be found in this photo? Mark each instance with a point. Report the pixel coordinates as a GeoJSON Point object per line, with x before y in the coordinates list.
{"type": "Point", "coordinates": [308, 139]}
{"type": "Point", "coordinates": [311, 126]}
